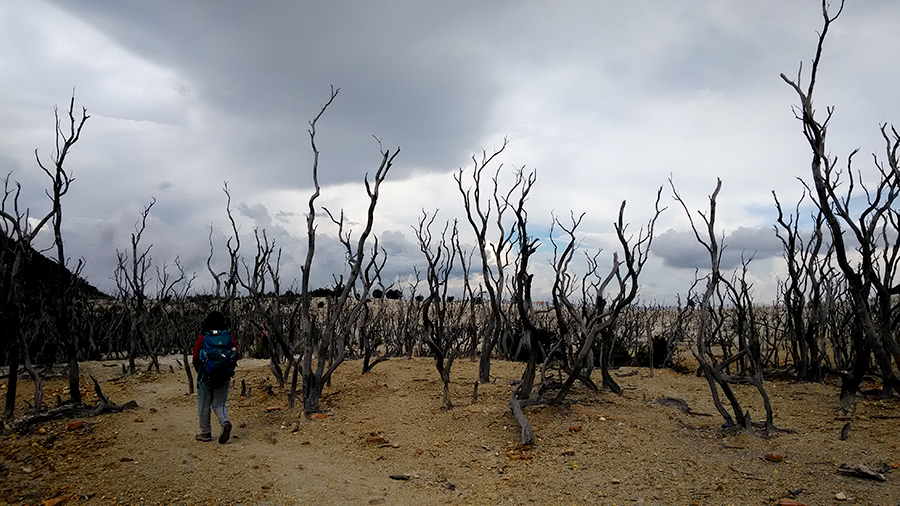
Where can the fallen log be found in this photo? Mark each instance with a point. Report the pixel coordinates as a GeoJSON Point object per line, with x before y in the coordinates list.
{"type": "Point", "coordinates": [104, 405]}
{"type": "Point", "coordinates": [679, 404]}
{"type": "Point", "coordinates": [864, 471]}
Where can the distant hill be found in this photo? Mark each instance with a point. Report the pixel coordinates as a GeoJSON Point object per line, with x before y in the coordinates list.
{"type": "Point", "coordinates": [43, 271]}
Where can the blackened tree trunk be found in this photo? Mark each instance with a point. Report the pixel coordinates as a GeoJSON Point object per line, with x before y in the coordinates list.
{"type": "Point", "coordinates": [65, 286]}
{"type": "Point", "coordinates": [701, 350]}
{"type": "Point", "coordinates": [327, 348]}
{"type": "Point", "coordinates": [494, 255]}
{"type": "Point", "coordinates": [872, 229]}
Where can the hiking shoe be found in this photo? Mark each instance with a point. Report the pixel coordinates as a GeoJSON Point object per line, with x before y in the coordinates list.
{"type": "Point", "coordinates": [203, 437]}
{"type": "Point", "coordinates": [226, 433]}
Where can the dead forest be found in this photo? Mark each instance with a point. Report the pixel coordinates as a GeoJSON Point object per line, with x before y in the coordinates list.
{"type": "Point", "coordinates": [836, 316]}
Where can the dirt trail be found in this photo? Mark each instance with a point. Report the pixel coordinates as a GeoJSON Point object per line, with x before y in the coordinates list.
{"type": "Point", "coordinates": [385, 440]}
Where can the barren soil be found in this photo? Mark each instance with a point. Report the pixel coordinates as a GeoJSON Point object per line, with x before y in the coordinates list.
{"type": "Point", "coordinates": [385, 440]}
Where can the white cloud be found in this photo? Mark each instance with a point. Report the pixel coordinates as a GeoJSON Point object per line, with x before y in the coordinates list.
{"type": "Point", "coordinates": [605, 100]}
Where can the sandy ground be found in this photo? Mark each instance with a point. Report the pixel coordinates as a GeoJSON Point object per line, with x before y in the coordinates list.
{"type": "Point", "coordinates": [385, 440]}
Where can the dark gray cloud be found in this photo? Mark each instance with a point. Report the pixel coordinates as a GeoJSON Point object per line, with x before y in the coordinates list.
{"type": "Point", "coordinates": [273, 64]}
{"type": "Point", "coordinates": [680, 249]}
{"type": "Point", "coordinates": [605, 99]}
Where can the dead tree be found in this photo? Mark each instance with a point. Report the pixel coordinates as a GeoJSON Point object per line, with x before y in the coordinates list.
{"type": "Point", "coordinates": [527, 246]}
{"type": "Point", "coordinates": [408, 335]}
{"type": "Point", "coordinates": [265, 304]}
{"type": "Point", "coordinates": [232, 278]}
{"type": "Point", "coordinates": [747, 327]}
{"type": "Point", "coordinates": [18, 230]}
{"type": "Point", "coordinates": [870, 231]}
{"type": "Point", "coordinates": [701, 349]}
{"type": "Point", "coordinates": [371, 327]}
{"type": "Point", "coordinates": [131, 280]}
{"type": "Point", "coordinates": [161, 331]}
{"type": "Point", "coordinates": [65, 288]}
{"type": "Point", "coordinates": [442, 338]}
{"type": "Point", "coordinates": [802, 291]}
{"type": "Point", "coordinates": [601, 298]}
{"type": "Point", "coordinates": [494, 254]}
{"type": "Point", "coordinates": [173, 291]}
{"type": "Point", "coordinates": [469, 305]}
{"type": "Point", "coordinates": [324, 351]}
{"type": "Point", "coordinates": [104, 405]}
{"type": "Point", "coordinates": [711, 326]}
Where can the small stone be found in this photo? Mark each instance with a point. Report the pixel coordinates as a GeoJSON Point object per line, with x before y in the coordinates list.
{"type": "Point", "coordinates": [295, 427]}
{"type": "Point", "coordinates": [126, 459]}
{"type": "Point", "coordinates": [376, 439]}
{"type": "Point", "coordinates": [615, 481]}
{"type": "Point", "coordinates": [574, 428]}
{"type": "Point", "coordinates": [774, 457]}
{"type": "Point", "coordinates": [42, 431]}
{"type": "Point", "coordinates": [840, 496]}
{"type": "Point", "coordinates": [272, 408]}
{"type": "Point", "coordinates": [568, 452]}
{"type": "Point", "coordinates": [320, 415]}
{"type": "Point", "coordinates": [139, 419]}
{"type": "Point", "coordinates": [400, 477]}
{"type": "Point", "coordinates": [77, 424]}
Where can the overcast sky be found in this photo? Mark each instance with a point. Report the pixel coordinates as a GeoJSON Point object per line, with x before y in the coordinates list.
{"type": "Point", "coordinates": [603, 99]}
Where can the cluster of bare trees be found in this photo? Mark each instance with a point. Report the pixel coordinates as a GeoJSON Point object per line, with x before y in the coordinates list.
{"type": "Point", "coordinates": [862, 223]}
{"type": "Point", "coordinates": [38, 309]}
{"type": "Point", "coordinates": [837, 313]}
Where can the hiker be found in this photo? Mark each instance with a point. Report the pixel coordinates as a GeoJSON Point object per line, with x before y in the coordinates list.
{"type": "Point", "coordinates": [215, 356]}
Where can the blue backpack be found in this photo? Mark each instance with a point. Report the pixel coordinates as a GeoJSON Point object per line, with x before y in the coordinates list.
{"type": "Point", "coordinates": [217, 357]}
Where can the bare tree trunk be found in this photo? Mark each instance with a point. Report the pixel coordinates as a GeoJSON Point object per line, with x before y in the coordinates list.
{"type": "Point", "coordinates": [839, 218]}
{"type": "Point", "coordinates": [64, 288]}
{"type": "Point", "coordinates": [328, 347]}
{"type": "Point", "coordinates": [35, 376]}
{"type": "Point", "coordinates": [18, 230]}
{"type": "Point", "coordinates": [701, 350]}
{"type": "Point", "coordinates": [603, 297]}
{"type": "Point", "coordinates": [478, 213]}
{"type": "Point", "coordinates": [12, 382]}
{"type": "Point", "coordinates": [443, 341]}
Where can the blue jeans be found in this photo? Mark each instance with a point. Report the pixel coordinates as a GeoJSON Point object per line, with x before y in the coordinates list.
{"type": "Point", "coordinates": [211, 399]}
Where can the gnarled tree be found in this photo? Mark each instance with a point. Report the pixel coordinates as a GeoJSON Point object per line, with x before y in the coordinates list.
{"type": "Point", "coordinates": [324, 350]}
{"type": "Point", "coordinates": [494, 253]}
{"type": "Point", "coordinates": [865, 238]}
{"type": "Point", "coordinates": [592, 302]}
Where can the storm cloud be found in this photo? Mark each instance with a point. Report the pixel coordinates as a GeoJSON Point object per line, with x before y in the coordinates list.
{"type": "Point", "coordinates": [605, 100]}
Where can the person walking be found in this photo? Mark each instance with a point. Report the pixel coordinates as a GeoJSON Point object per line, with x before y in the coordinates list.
{"type": "Point", "coordinates": [215, 357]}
